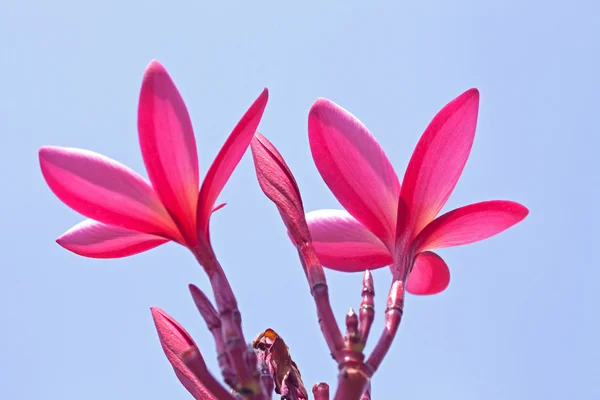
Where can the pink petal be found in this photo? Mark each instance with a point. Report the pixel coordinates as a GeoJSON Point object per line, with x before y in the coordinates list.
{"type": "Point", "coordinates": [439, 159]}
{"type": "Point", "coordinates": [279, 185]}
{"type": "Point", "coordinates": [343, 244]}
{"type": "Point", "coordinates": [430, 274]}
{"type": "Point", "coordinates": [228, 158]}
{"type": "Point", "coordinates": [168, 147]}
{"type": "Point", "coordinates": [354, 167]}
{"type": "Point", "coordinates": [97, 240]}
{"type": "Point", "coordinates": [105, 190]}
{"type": "Point", "coordinates": [174, 340]}
{"type": "Point", "coordinates": [470, 224]}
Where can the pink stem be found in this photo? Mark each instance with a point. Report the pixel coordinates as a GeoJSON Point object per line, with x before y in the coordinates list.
{"type": "Point", "coordinates": [248, 383]}
{"type": "Point", "coordinates": [367, 307]}
{"type": "Point", "coordinates": [211, 317]}
{"type": "Point", "coordinates": [321, 391]}
{"type": "Point", "coordinates": [320, 292]}
{"type": "Point", "coordinates": [192, 359]}
{"type": "Point", "coordinates": [394, 305]}
{"type": "Point", "coordinates": [393, 315]}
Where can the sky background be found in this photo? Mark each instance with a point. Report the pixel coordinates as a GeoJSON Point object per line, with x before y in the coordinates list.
{"type": "Point", "coordinates": [519, 319]}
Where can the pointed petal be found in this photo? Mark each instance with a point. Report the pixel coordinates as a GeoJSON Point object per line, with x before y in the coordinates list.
{"type": "Point", "coordinates": [169, 147]}
{"type": "Point", "coordinates": [343, 244]}
{"type": "Point", "coordinates": [174, 340]}
{"type": "Point", "coordinates": [97, 240]}
{"type": "Point", "coordinates": [105, 190]}
{"type": "Point", "coordinates": [470, 224]}
{"type": "Point", "coordinates": [279, 185]}
{"type": "Point", "coordinates": [228, 158]}
{"type": "Point", "coordinates": [439, 159]}
{"type": "Point", "coordinates": [354, 167]}
{"type": "Point", "coordinates": [430, 274]}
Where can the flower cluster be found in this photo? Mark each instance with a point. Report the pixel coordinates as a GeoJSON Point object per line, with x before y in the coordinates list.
{"type": "Point", "coordinates": [384, 223]}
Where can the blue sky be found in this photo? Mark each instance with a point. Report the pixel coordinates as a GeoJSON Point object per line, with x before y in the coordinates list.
{"type": "Point", "coordinates": [519, 318]}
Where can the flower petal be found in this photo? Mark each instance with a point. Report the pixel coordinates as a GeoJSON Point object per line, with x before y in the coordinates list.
{"type": "Point", "coordinates": [228, 158]}
{"type": "Point", "coordinates": [174, 340]}
{"type": "Point", "coordinates": [470, 224]}
{"type": "Point", "coordinates": [439, 159]}
{"type": "Point", "coordinates": [343, 244]}
{"type": "Point", "coordinates": [105, 190]}
{"type": "Point", "coordinates": [354, 167]}
{"type": "Point", "coordinates": [97, 240]}
{"type": "Point", "coordinates": [429, 275]}
{"type": "Point", "coordinates": [279, 185]}
{"type": "Point", "coordinates": [169, 147]}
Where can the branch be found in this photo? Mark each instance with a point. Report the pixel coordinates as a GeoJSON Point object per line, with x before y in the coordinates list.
{"type": "Point", "coordinates": [320, 292]}
{"type": "Point", "coordinates": [247, 379]}
{"type": "Point", "coordinates": [393, 315]}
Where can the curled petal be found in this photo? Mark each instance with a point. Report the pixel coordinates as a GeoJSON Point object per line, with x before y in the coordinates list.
{"type": "Point", "coordinates": [354, 167]}
{"type": "Point", "coordinates": [169, 147]}
{"type": "Point", "coordinates": [343, 244]}
{"type": "Point", "coordinates": [174, 340]}
{"type": "Point", "coordinates": [97, 240]}
{"type": "Point", "coordinates": [218, 207]}
{"type": "Point", "coordinates": [278, 184]}
{"type": "Point", "coordinates": [439, 159]}
{"type": "Point", "coordinates": [105, 190]}
{"type": "Point", "coordinates": [470, 224]}
{"type": "Point", "coordinates": [228, 158]}
{"type": "Point", "coordinates": [215, 208]}
{"type": "Point", "coordinates": [430, 274]}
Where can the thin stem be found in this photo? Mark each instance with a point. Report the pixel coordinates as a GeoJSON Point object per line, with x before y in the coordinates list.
{"type": "Point", "coordinates": [394, 305]}
{"type": "Point", "coordinates": [321, 391]}
{"type": "Point", "coordinates": [320, 292]}
{"type": "Point", "coordinates": [211, 317]}
{"type": "Point", "coordinates": [393, 316]}
{"type": "Point", "coordinates": [248, 383]}
{"type": "Point", "coordinates": [367, 307]}
{"type": "Point", "coordinates": [192, 359]}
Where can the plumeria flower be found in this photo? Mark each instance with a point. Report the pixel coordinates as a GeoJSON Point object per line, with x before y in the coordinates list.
{"type": "Point", "coordinates": [388, 224]}
{"type": "Point", "coordinates": [129, 215]}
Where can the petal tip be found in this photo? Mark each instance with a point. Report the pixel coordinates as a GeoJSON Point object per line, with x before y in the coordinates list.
{"type": "Point", "coordinates": [520, 211]}
{"type": "Point", "coordinates": [262, 99]}
{"type": "Point", "coordinates": [154, 67]}
{"type": "Point", "coordinates": [265, 92]}
{"type": "Point", "coordinates": [322, 104]}
{"type": "Point", "coordinates": [158, 312]}
{"type": "Point", "coordinates": [46, 151]}
{"type": "Point", "coordinates": [473, 92]}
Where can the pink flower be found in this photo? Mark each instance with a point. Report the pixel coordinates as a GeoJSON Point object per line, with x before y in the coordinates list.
{"type": "Point", "coordinates": [128, 214]}
{"type": "Point", "coordinates": [388, 224]}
